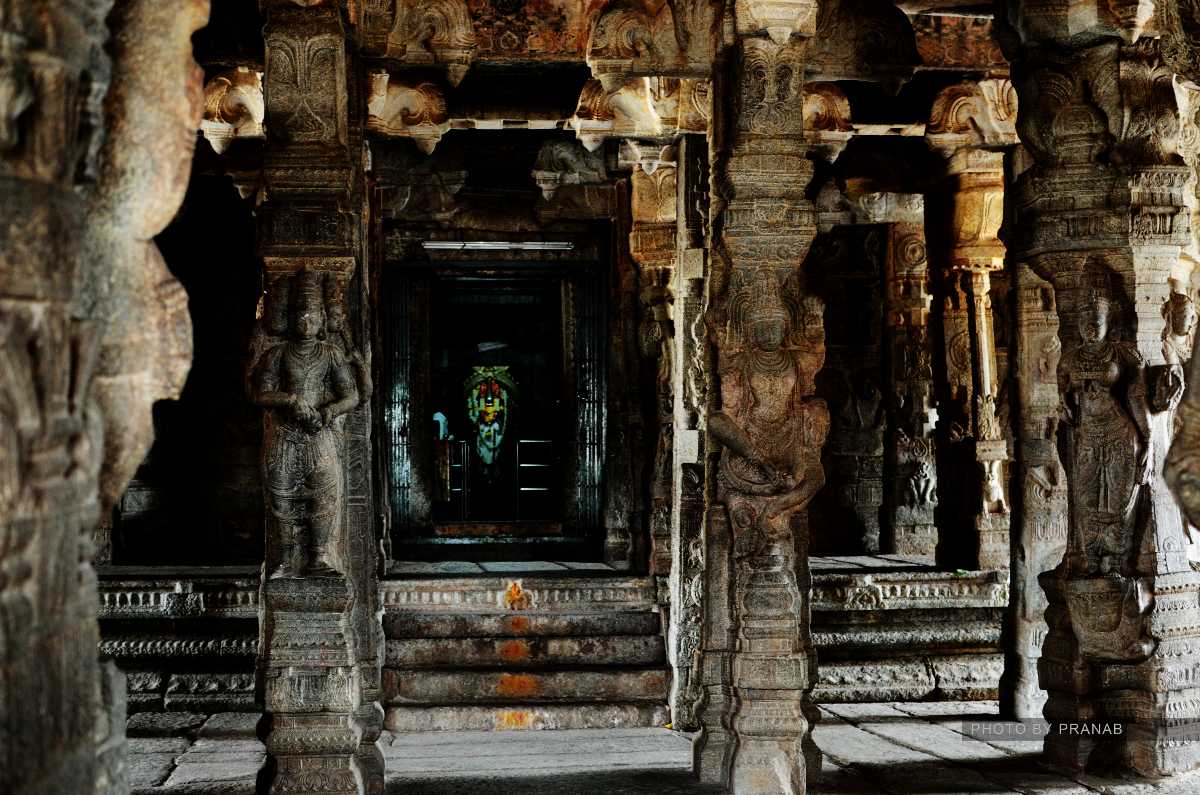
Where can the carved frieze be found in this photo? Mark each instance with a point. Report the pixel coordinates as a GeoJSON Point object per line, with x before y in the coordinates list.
{"type": "Point", "coordinates": [677, 39]}
{"type": "Point", "coordinates": [433, 32]}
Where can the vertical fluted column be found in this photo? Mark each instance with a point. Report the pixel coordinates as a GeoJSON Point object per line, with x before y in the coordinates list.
{"type": "Point", "coordinates": [764, 421]}
{"type": "Point", "coordinates": [1101, 216]}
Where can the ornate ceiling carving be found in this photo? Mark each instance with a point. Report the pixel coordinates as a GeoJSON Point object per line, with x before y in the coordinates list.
{"type": "Point", "coordinates": [429, 32]}
{"type": "Point", "coordinates": [633, 39]}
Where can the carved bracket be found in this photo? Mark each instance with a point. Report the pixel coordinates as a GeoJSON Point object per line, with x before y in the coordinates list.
{"type": "Point", "coordinates": [233, 108]}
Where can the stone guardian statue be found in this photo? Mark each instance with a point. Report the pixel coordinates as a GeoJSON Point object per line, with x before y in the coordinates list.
{"type": "Point", "coordinates": [307, 384]}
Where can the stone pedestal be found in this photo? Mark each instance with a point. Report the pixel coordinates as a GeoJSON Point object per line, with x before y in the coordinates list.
{"type": "Point", "coordinates": [311, 686]}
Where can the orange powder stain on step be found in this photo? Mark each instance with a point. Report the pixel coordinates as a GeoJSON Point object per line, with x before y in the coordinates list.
{"type": "Point", "coordinates": [513, 719]}
{"type": "Point", "coordinates": [516, 623]}
{"type": "Point", "coordinates": [515, 650]}
{"type": "Point", "coordinates": [517, 685]}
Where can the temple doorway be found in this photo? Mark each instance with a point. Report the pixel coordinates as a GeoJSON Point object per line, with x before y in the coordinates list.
{"type": "Point", "coordinates": [491, 438]}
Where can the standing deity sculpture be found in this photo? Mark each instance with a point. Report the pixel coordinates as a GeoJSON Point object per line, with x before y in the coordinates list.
{"type": "Point", "coordinates": [1109, 449]}
{"type": "Point", "coordinates": [307, 384]}
{"type": "Point", "coordinates": [1180, 332]}
{"type": "Point", "coordinates": [769, 421]}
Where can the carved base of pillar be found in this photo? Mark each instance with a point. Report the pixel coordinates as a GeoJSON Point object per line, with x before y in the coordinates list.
{"type": "Point", "coordinates": [993, 552]}
{"type": "Point", "coordinates": [915, 539]}
{"type": "Point", "coordinates": [312, 689]}
{"type": "Point", "coordinates": [1092, 671]}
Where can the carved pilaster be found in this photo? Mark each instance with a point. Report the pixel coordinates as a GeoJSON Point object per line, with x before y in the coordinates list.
{"type": "Point", "coordinates": [910, 474]}
{"type": "Point", "coordinates": [1102, 216]}
{"type": "Point", "coordinates": [652, 244]}
{"type": "Point", "coordinates": [767, 427]}
{"type": "Point", "coordinates": [309, 367]}
{"type": "Point", "coordinates": [688, 556]}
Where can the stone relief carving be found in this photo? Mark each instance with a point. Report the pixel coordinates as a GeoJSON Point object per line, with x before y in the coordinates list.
{"type": "Point", "coordinates": [307, 383]}
{"type": "Point", "coordinates": [1110, 453]}
{"type": "Point", "coordinates": [84, 142]}
{"type": "Point", "coordinates": [861, 40]}
{"type": "Point", "coordinates": [678, 39]}
{"type": "Point", "coordinates": [641, 107]}
{"type": "Point", "coordinates": [305, 77]}
{"type": "Point", "coordinates": [429, 32]}
{"type": "Point", "coordinates": [1179, 333]}
{"type": "Point", "coordinates": [416, 111]}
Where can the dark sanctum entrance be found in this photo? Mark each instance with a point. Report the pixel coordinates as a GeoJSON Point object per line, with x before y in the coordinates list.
{"type": "Point", "coordinates": [494, 411]}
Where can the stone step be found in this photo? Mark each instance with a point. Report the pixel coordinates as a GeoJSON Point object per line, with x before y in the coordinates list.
{"type": "Point", "coordinates": [519, 593]}
{"type": "Point", "coordinates": [403, 687]}
{"type": "Point", "coordinates": [493, 717]}
{"type": "Point", "coordinates": [509, 625]}
{"type": "Point", "coordinates": [525, 652]}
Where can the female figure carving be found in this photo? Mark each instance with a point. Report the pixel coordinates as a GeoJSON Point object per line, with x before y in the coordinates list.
{"type": "Point", "coordinates": [1104, 403]}
{"type": "Point", "coordinates": [769, 422]}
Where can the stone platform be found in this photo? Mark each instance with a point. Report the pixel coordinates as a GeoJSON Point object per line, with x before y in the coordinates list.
{"type": "Point", "coordinates": [901, 748]}
{"type": "Point", "coordinates": [588, 640]}
{"type": "Point", "coordinates": [895, 628]}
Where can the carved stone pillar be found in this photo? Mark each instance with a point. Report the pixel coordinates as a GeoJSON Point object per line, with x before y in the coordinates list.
{"type": "Point", "coordinates": [766, 426]}
{"type": "Point", "coordinates": [969, 124]}
{"type": "Point", "coordinates": [688, 554]}
{"type": "Point", "coordinates": [1101, 215]}
{"type": "Point", "coordinates": [1040, 506]}
{"type": "Point", "coordinates": [88, 175]}
{"type": "Point", "coordinates": [309, 368]}
{"type": "Point", "coordinates": [910, 479]}
{"type": "Point", "coordinates": [652, 244]}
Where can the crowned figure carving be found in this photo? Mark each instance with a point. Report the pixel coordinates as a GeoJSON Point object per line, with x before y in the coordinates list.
{"type": "Point", "coordinates": [1109, 450]}
{"type": "Point", "coordinates": [307, 382]}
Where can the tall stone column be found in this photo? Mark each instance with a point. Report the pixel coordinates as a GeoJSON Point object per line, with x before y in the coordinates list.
{"type": "Point", "coordinates": [970, 124]}
{"type": "Point", "coordinates": [652, 244]}
{"type": "Point", "coordinates": [1040, 504]}
{"type": "Point", "coordinates": [1101, 216]}
{"type": "Point", "coordinates": [764, 421]}
{"type": "Point", "coordinates": [688, 554]}
{"type": "Point", "coordinates": [910, 479]}
{"type": "Point", "coordinates": [94, 161]}
{"type": "Point", "coordinates": [309, 369]}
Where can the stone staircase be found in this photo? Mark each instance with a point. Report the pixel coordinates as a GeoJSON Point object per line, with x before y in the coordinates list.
{"type": "Point", "coordinates": [523, 652]}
